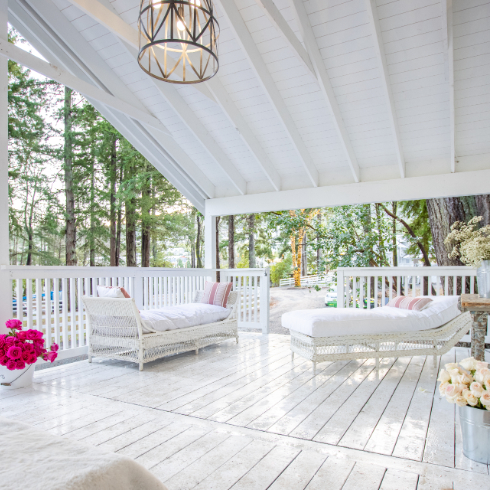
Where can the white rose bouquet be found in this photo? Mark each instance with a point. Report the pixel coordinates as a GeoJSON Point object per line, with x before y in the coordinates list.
{"type": "Point", "coordinates": [466, 384]}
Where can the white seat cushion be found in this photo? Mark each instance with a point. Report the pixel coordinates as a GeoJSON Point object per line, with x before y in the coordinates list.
{"type": "Point", "coordinates": [181, 316]}
{"type": "Point", "coordinates": [333, 322]}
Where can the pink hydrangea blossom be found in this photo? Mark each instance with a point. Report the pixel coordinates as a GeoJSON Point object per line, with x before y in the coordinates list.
{"type": "Point", "coordinates": [51, 356]}
{"type": "Point", "coordinates": [21, 335]}
{"type": "Point", "coordinates": [14, 352]}
{"type": "Point", "coordinates": [9, 340]}
{"type": "Point", "coordinates": [54, 347]}
{"type": "Point", "coordinates": [25, 355]}
{"type": "Point", "coordinates": [11, 365]}
{"type": "Point", "coordinates": [14, 324]}
{"type": "Point", "coordinates": [32, 359]}
{"type": "Point", "coordinates": [4, 360]}
{"type": "Point", "coordinates": [2, 340]}
{"type": "Point", "coordinates": [31, 334]}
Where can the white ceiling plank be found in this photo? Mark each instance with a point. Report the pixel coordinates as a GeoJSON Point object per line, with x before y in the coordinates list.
{"type": "Point", "coordinates": [107, 17]}
{"type": "Point", "coordinates": [325, 85]}
{"type": "Point", "coordinates": [380, 53]}
{"type": "Point", "coordinates": [277, 19]}
{"type": "Point", "coordinates": [244, 38]}
{"type": "Point", "coordinates": [447, 30]}
{"type": "Point", "coordinates": [409, 188]}
{"type": "Point", "coordinates": [184, 175]}
{"type": "Point", "coordinates": [64, 77]}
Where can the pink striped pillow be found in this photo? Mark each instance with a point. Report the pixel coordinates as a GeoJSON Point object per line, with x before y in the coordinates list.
{"type": "Point", "coordinates": [407, 303]}
{"type": "Point", "coordinates": [216, 293]}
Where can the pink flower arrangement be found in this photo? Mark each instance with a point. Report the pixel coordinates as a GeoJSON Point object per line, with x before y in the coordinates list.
{"type": "Point", "coordinates": [19, 348]}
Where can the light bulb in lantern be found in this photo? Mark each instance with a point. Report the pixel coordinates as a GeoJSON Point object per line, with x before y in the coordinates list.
{"type": "Point", "coordinates": [180, 24]}
{"type": "Point", "coordinates": [195, 3]}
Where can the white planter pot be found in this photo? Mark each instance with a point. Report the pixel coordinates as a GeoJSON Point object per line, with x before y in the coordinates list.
{"type": "Point", "coordinates": [19, 378]}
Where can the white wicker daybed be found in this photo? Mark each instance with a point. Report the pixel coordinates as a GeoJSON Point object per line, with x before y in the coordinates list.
{"type": "Point", "coordinates": [334, 334]}
{"type": "Point", "coordinates": [117, 330]}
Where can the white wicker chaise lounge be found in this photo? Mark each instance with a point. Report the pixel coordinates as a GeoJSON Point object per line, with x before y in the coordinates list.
{"type": "Point", "coordinates": [117, 331]}
{"type": "Point", "coordinates": [345, 334]}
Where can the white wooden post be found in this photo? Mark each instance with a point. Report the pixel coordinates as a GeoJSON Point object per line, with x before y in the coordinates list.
{"type": "Point", "coordinates": [5, 283]}
{"type": "Point", "coordinates": [264, 300]}
{"type": "Point", "coordinates": [210, 241]}
{"type": "Point", "coordinates": [138, 292]}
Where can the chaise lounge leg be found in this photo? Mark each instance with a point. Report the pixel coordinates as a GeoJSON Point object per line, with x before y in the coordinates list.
{"type": "Point", "coordinates": [141, 366]}
{"type": "Point", "coordinates": [90, 358]}
{"type": "Point", "coordinates": [237, 339]}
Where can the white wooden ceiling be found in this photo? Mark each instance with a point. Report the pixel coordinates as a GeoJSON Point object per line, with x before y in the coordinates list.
{"type": "Point", "coordinates": [310, 93]}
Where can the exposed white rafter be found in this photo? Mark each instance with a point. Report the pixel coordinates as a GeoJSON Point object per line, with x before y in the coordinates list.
{"type": "Point", "coordinates": [276, 18]}
{"type": "Point", "coordinates": [107, 17]}
{"type": "Point", "coordinates": [244, 38]}
{"type": "Point", "coordinates": [447, 29]}
{"type": "Point", "coordinates": [64, 77]}
{"type": "Point", "coordinates": [183, 173]}
{"type": "Point", "coordinates": [385, 80]}
{"type": "Point", "coordinates": [325, 85]}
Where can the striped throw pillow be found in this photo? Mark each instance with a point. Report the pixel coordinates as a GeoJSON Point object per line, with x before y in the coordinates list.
{"type": "Point", "coordinates": [407, 303]}
{"type": "Point", "coordinates": [216, 293]}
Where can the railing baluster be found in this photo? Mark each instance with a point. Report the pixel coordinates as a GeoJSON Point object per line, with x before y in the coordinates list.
{"type": "Point", "coordinates": [383, 290]}
{"type": "Point", "coordinates": [256, 319]}
{"type": "Point", "coordinates": [368, 292]}
{"type": "Point", "coordinates": [81, 337]}
{"type": "Point", "coordinates": [472, 285]}
{"type": "Point", "coordinates": [64, 307]}
{"type": "Point", "coordinates": [47, 295]}
{"type": "Point", "coordinates": [56, 299]}
{"type": "Point", "coordinates": [446, 285]}
{"type": "Point", "coordinates": [73, 310]}
{"type": "Point", "coordinates": [455, 285]}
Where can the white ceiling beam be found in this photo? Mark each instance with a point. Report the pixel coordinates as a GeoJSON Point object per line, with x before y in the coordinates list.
{"type": "Point", "coordinates": [184, 174]}
{"type": "Point", "coordinates": [325, 85]}
{"type": "Point", "coordinates": [277, 19]}
{"type": "Point", "coordinates": [107, 17]}
{"type": "Point", "coordinates": [385, 80]}
{"type": "Point", "coordinates": [64, 77]}
{"type": "Point", "coordinates": [447, 29]}
{"type": "Point", "coordinates": [244, 38]}
{"type": "Point", "coordinates": [407, 189]}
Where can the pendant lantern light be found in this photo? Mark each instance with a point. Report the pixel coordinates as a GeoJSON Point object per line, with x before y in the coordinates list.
{"type": "Point", "coordinates": [178, 40]}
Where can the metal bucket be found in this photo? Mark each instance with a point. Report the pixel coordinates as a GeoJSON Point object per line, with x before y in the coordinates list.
{"type": "Point", "coordinates": [475, 428]}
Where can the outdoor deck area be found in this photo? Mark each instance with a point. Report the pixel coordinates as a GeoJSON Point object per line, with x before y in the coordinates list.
{"type": "Point", "coordinates": [245, 416]}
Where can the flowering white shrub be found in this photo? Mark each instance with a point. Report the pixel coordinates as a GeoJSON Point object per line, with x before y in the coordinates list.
{"type": "Point", "coordinates": [469, 242]}
{"type": "Point", "coordinates": [466, 384]}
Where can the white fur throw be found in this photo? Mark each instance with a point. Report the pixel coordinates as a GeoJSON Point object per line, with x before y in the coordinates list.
{"type": "Point", "coordinates": [35, 459]}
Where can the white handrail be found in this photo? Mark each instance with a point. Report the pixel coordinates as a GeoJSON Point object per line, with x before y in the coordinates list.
{"type": "Point", "coordinates": [371, 287]}
{"type": "Point", "coordinates": [308, 280]}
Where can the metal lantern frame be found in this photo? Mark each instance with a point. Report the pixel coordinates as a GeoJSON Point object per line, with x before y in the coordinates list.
{"type": "Point", "coordinates": [181, 29]}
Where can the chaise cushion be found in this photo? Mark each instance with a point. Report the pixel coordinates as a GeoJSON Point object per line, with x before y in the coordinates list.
{"type": "Point", "coordinates": [181, 316]}
{"type": "Point", "coordinates": [216, 293]}
{"type": "Point", "coordinates": [333, 322]}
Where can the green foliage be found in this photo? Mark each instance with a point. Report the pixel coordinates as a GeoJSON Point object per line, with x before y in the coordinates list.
{"type": "Point", "coordinates": [281, 270]}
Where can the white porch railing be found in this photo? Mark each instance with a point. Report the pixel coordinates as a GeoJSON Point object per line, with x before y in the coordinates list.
{"type": "Point", "coordinates": [309, 280]}
{"type": "Point", "coordinates": [372, 287]}
{"type": "Point", "coordinates": [50, 298]}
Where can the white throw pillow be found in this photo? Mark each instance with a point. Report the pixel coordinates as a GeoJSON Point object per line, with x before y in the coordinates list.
{"type": "Point", "coordinates": [109, 292]}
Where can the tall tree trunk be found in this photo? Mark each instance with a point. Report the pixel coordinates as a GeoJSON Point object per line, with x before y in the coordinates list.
{"type": "Point", "coordinates": [443, 212]}
{"type": "Point", "coordinates": [394, 207]}
{"type": "Point", "coordinates": [318, 250]}
{"type": "Point", "coordinates": [112, 212]}
{"type": "Point", "coordinates": [251, 242]}
{"type": "Point", "coordinates": [198, 242]}
{"type": "Point", "coordinates": [483, 208]}
{"type": "Point", "coordinates": [218, 266]}
{"type": "Point", "coordinates": [130, 212]}
{"type": "Point", "coordinates": [145, 224]}
{"type": "Point", "coordinates": [71, 230]}
{"type": "Point", "coordinates": [119, 224]}
{"type": "Point", "coordinates": [304, 263]}
{"type": "Point", "coordinates": [92, 218]}
{"type": "Point", "coordinates": [193, 255]}
{"type": "Point", "coordinates": [231, 242]}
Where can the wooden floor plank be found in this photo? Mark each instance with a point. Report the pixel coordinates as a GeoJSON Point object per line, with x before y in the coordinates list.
{"type": "Point", "coordinates": [234, 469]}
{"type": "Point", "coordinates": [365, 476]}
{"type": "Point", "coordinates": [363, 426]}
{"type": "Point", "coordinates": [300, 472]}
{"type": "Point", "coordinates": [439, 445]}
{"type": "Point", "coordinates": [399, 480]}
{"type": "Point", "coordinates": [385, 435]}
{"type": "Point", "coordinates": [332, 475]}
{"type": "Point", "coordinates": [266, 471]}
{"type": "Point", "coordinates": [196, 472]}
{"type": "Point", "coordinates": [411, 440]}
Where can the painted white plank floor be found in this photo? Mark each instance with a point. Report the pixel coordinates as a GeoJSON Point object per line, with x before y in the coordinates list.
{"type": "Point", "coordinates": [247, 417]}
